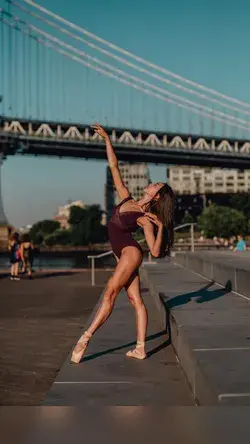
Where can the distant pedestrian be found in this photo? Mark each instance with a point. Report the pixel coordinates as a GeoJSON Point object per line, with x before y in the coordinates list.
{"type": "Point", "coordinates": [241, 244]}
{"type": "Point", "coordinates": [27, 249]}
{"type": "Point", "coordinates": [15, 256]}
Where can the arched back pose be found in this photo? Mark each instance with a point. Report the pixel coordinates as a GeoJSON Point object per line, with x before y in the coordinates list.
{"type": "Point", "coordinates": [154, 213]}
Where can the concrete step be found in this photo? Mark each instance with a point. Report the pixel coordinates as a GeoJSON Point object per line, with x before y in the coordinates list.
{"type": "Point", "coordinates": [209, 330]}
{"type": "Point", "coordinates": [224, 267]}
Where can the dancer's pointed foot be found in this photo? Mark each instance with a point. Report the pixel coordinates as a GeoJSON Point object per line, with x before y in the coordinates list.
{"type": "Point", "coordinates": [80, 347]}
{"type": "Point", "coordinates": [138, 352]}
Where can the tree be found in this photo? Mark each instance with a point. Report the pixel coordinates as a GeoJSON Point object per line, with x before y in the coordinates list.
{"type": "Point", "coordinates": [222, 222]}
{"type": "Point", "coordinates": [86, 225]}
{"type": "Point", "coordinates": [43, 228]}
{"type": "Point", "coordinates": [187, 219]}
{"type": "Point", "coordinates": [241, 202]}
{"type": "Point", "coordinates": [59, 237]}
{"type": "Point", "coordinates": [77, 215]}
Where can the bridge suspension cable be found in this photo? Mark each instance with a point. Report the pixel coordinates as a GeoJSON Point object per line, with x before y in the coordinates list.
{"type": "Point", "coordinates": [181, 102]}
{"type": "Point", "coordinates": [199, 110]}
{"type": "Point", "coordinates": [133, 65]}
{"type": "Point", "coordinates": [137, 58]}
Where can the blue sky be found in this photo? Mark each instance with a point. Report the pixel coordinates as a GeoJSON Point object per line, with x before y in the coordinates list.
{"type": "Point", "coordinates": [205, 41]}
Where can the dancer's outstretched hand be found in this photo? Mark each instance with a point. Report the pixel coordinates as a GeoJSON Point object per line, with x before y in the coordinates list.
{"type": "Point", "coordinates": [100, 130]}
{"type": "Point", "coordinates": [154, 219]}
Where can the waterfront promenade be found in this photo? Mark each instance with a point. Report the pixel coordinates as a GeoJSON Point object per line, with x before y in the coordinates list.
{"type": "Point", "coordinates": [39, 322]}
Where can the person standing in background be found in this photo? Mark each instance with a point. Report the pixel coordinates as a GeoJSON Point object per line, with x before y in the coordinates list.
{"type": "Point", "coordinates": [15, 257]}
{"type": "Point", "coordinates": [241, 244]}
{"type": "Point", "coordinates": [27, 249]}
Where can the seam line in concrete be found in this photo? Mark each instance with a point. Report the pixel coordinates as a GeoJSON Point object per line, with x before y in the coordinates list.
{"type": "Point", "coordinates": [92, 382]}
{"type": "Point", "coordinates": [233, 395]}
{"type": "Point", "coordinates": [221, 349]}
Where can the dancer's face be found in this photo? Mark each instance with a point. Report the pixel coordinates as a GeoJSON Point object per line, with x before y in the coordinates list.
{"type": "Point", "coordinates": [152, 189]}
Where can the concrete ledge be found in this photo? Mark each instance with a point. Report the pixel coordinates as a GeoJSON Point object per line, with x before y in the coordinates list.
{"type": "Point", "coordinates": [222, 267]}
{"type": "Point", "coordinates": [209, 331]}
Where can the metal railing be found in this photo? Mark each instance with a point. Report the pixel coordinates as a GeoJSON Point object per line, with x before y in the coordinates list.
{"type": "Point", "coordinates": [97, 256]}
{"type": "Point", "coordinates": [108, 253]}
{"type": "Point", "coordinates": [191, 232]}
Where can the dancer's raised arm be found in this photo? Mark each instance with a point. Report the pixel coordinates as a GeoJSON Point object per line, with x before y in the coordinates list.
{"type": "Point", "coordinates": [113, 162]}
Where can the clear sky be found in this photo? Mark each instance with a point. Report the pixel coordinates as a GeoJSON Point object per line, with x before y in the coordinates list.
{"type": "Point", "coordinates": [206, 41]}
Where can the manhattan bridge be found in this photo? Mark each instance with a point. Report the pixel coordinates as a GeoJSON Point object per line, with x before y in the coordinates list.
{"type": "Point", "coordinates": [56, 78]}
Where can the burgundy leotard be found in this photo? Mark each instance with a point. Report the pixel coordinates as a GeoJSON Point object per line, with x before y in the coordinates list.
{"type": "Point", "coordinates": [120, 227]}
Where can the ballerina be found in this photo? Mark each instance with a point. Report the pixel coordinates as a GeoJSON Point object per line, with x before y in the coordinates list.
{"type": "Point", "coordinates": [128, 216]}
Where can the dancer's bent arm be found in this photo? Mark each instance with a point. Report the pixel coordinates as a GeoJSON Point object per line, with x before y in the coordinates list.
{"type": "Point", "coordinates": [113, 163]}
{"type": "Point", "coordinates": [154, 243]}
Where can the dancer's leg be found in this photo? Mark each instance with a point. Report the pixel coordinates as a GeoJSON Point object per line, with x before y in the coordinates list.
{"type": "Point", "coordinates": [130, 260]}
{"type": "Point", "coordinates": [133, 291]}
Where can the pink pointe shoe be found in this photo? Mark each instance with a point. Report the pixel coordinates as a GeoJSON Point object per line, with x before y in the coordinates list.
{"type": "Point", "coordinates": [80, 347]}
{"type": "Point", "coordinates": [138, 352]}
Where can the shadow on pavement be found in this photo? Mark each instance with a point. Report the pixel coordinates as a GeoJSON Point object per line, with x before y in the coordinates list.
{"type": "Point", "coordinates": [53, 274]}
{"type": "Point", "coordinates": [130, 344]}
{"type": "Point", "coordinates": [202, 295]}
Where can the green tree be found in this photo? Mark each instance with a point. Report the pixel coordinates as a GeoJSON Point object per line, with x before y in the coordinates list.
{"type": "Point", "coordinates": [222, 222]}
{"type": "Point", "coordinates": [77, 215]}
{"type": "Point", "coordinates": [43, 228]}
{"type": "Point", "coordinates": [86, 225]}
{"type": "Point", "coordinates": [59, 237]}
{"type": "Point", "coordinates": [187, 219]}
{"type": "Point", "coordinates": [241, 202]}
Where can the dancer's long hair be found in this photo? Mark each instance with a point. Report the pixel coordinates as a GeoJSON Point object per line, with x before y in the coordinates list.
{"type": "Point", "coordinates": [164, 209]}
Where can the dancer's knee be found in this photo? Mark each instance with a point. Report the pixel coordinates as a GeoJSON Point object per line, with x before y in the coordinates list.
{"type": "Point", "coordinates": [111, 291]}
{"type": "Point", "coordinates": [136, 302]}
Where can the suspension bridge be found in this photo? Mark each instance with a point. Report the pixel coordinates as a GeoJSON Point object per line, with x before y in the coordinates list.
{"type": "Point", "coordinates": [57, 78]}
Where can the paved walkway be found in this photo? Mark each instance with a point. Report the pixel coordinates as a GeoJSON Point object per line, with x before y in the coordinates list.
{"type": "Point", "coordinates": [107, 378]}
{"type": "Point", "coordinates": [39, 322]}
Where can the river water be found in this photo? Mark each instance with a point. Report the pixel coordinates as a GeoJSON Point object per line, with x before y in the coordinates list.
{"type": "Point", "coordinates": [63, 260]}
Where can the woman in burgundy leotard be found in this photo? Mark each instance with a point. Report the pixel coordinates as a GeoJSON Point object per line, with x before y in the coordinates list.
{"type": "Point", "coordinates": [154, 213]}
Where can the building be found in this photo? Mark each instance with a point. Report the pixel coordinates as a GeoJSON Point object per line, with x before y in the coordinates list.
{"type": "Point", "coordinates": [196, 180]}
{"type": "Point", "coordinates": [135, 177]}
{"type": "Point", "coordinates": [64, 212]}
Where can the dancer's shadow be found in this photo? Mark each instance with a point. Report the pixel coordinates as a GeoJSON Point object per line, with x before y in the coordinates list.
{"type": "Point", "coordinates": [130, 344]}
{"type": "Point", "coordinates": [200, 296]}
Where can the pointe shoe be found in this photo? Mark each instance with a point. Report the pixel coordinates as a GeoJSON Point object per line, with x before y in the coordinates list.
{"type": "Point", "coordinates": [80, 347]}
{"type": "Point", "coordinates": [137, 353]}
